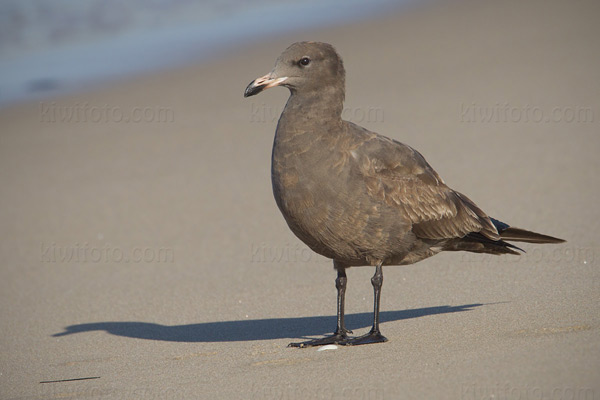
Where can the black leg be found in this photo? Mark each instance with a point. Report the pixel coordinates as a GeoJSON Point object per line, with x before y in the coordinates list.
{"type": "Point", "coordinates": [374, 336]}
{"type": "Point", "coordinates": [341, 333]}
{"type": "Point", "coordinates": [340, 284]}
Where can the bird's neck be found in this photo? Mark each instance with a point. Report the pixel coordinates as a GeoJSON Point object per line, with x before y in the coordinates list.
{"type": "Point", "coordinates": [307, 109]}
{"type": "Point", "coordinates": [304, 131]}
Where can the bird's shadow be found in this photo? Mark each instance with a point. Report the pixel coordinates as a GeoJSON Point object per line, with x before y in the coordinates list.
{"type": "Point", "coordinates": [253, 329]}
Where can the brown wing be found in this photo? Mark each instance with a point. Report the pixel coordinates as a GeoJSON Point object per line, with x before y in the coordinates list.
{"type": "Point", "coordinates": [399, 176]}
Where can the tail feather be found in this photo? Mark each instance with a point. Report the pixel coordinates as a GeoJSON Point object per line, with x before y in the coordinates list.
{"type": "Point", "coordinates": [477, 242]}
{"type": "Point", "coordinates": [521, 235]}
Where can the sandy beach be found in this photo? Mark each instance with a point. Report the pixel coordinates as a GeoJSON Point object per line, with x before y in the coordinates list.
{"type": "Point", "coordinates": [144, 257]}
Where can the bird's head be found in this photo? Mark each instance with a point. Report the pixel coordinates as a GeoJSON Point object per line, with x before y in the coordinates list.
{"type": "Point", "coordinates": [304, 67]}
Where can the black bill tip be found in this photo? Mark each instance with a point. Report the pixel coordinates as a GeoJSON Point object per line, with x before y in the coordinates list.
{"type": "Point", "coordinates": [253, 89]}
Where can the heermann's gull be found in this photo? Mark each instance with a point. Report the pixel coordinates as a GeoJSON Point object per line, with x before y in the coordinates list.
{"type": "Point", "coordinates": [360, 198]}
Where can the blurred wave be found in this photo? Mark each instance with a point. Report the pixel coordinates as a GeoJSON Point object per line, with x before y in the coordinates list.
{"type": "Point", "coordinates": [49, 47]}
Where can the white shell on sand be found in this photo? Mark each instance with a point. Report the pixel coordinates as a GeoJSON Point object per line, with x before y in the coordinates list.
{"type": "Point", "coordinates": [328, 347]}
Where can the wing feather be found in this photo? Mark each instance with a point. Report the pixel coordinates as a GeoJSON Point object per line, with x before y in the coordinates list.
{"type": "Point", "coordinates": [399, 176]}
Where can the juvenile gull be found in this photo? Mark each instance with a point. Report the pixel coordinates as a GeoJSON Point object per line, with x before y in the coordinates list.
{"type": "Point", "coordinates": [360, 198]}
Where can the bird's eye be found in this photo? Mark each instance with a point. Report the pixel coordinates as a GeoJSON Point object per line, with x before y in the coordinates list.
{"type": "Point", "coordinates": [304, 61]}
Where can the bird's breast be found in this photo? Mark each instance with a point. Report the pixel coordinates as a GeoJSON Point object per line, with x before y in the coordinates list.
{"type": "Point", "coordinates": [325, 204]}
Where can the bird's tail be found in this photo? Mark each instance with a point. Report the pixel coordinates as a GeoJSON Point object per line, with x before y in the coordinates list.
{"type": "Point", "coordinates": [476, 242]}
{"type": "Point", "coordinates": [513, 234]}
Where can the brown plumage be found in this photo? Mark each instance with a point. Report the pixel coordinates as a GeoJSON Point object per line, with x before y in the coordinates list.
{"type": "Point", "coordinates": [360, 198]}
